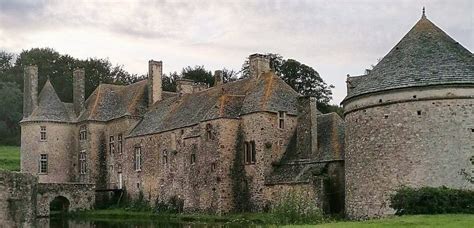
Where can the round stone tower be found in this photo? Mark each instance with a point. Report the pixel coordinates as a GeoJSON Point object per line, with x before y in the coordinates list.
{"type": "Point", "coordinates": [410, 121]}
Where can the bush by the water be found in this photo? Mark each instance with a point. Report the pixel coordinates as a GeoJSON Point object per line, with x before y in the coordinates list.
{"type": "Point", "coordinates": [429, 200]}
{"type": "Point", "coordinates": [295, 208]}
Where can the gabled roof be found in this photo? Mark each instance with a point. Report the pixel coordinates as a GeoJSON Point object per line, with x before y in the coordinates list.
{"type": "Point", "coordinates": [108, 102]}
{"type": "Point", "coordinates": [292, 169]}
{"type": "Point", "coordinates": [50, 107]}
{"type": "Point", "coordinates": [268, 93]}
{"type": "Point", "coordinates": [424, 56]}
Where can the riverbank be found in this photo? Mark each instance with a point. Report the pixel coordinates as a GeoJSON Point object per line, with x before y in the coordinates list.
{"type": "Point", "coordinates": [449, 220]}
{"type": "Point", "coordinates": [123, 214]}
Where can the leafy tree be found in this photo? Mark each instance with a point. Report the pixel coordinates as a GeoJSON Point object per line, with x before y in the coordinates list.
{"type": "Point", "coordinates": [169, 81]}
{"type": "Point", "coordinates": [198, 74]}
{"type": "Point", "coordinates": [10, 113]}
{"type": "Point", "coordinates": [229, 75]}
{"type": "Point", "coordinates": [305, 80]}
{"type": "Point", "coordinates": [302, 78]}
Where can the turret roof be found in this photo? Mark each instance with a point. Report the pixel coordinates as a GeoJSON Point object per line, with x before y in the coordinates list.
{"type": "Point", "coordinates": [424, 56]}
{"type": "Point", "coordinates": [50, 107]}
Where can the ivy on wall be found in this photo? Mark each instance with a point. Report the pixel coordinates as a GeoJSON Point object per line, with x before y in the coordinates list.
{"type": "Point", "coordinates": [240, 181]}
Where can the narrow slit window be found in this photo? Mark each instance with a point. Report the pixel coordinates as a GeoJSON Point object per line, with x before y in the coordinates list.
{"type": "Point", "coordinates": [120, 144]}
{"type": "Point", "coordinates": [111, 145]}
{"type": "Point", "coordinates": [43, 133]}
{"type": "Point", "coordinates": [43, 164]}
{"type": "Point", "coordinates": [193, 158]}
{"type": "Point", "coordinates": [165, 157]}
{"type": "Point", "coordinates": [138, 158]}
{"type": "Point", "coordinates": [253, 157]}
{"type": "Point", "coordinates": [418, 112]}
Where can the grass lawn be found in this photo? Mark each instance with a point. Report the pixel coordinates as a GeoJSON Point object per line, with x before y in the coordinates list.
{"type": "Point", "coordinates": [10, 158]}
{"type": "Point", "coordinates": [448, 221]}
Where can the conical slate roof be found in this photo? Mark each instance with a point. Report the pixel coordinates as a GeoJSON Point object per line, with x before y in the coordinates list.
{"type": "Point", "coordinates": [425, 56]}
{"type": "Point", "coordinates": [50, 107]}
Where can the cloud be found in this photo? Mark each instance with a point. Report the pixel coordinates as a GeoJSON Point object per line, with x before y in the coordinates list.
{"type": "Point", "coordinates": [334, 37]}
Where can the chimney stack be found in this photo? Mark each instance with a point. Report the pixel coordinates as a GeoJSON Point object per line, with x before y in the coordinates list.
{"type": "Point", "coordinates": [259, 64]}
{"type": "Point", "coordinates": [218, 80]}
{"type": "Point", "coordinates": [30, 90]}
{"type": "Point", "coordinates": [79, 90]}
{"type": "Point", "coordinates": [307, 128]}
{"type": "Point", "coordinates": [155, 72]}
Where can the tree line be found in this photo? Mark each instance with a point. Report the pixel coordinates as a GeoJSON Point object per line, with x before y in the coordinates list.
{"type": "Point", "coordinates": [59, 67]}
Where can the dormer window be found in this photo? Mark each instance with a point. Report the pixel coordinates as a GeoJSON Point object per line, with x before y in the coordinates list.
{"type": "Point", "coordinates": [43, 133]}
{"type": "Point", "coordinates": [281, 119]}
{"type": "Point", "coordinates": [83, 133]}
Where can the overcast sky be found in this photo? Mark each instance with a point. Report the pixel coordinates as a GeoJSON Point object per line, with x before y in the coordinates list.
{"type": "Point", "coordinates": [334, 37]}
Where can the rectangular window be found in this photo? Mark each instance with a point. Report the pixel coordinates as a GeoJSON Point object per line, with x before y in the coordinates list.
{"type": "Point", "coordinates": [120, 143]}
{"type": "Point", "coordinates": [249, 153]}
{"type": "Point", "coordinates": [253, 157]}
{"type": "Point", "coordinates": [209, 132]}
{"type": "Point", "coordinates": [281, 120]}
{"type": "Point", "coordinates": [43, 164]}
{"type": "Point", "coordinates": [138, 158]}
{"type": "Point", "coordinates": [82, 162]}
{"type": "Point", "coordinates": [111, 145]}
{"type": "Point", "coordinates": [83, 133]}
{"type": "Point", "coordinates": [43, 133]}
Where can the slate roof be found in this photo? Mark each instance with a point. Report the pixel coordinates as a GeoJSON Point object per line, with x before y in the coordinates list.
{"type": "Point", "coordinates": [230, 100]}
{"type": "Point", "coordinates": [424, 56]}
{"type": "Point", "coordinates": [109, 102]}
{"type": "Point", "coordinates": [50, 107]}
{"type": "Point", "coordinates": [292, 169]}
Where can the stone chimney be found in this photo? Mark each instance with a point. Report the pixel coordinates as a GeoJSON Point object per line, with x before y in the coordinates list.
{"type": "Point", "coordinates": [259, 64]}
{"type": "Point", "coordinates": [307, 128]}
{"type": "Point", "coordinates": [184, 86]}
{"type": "Point", "coordinates": [155, 72]}
{"type": "Point", "coordinates": [218, 80]}
{"type": "Point", "coordinates": [30, 90]}
{"type": "Point", "coordinates": [79, 90]}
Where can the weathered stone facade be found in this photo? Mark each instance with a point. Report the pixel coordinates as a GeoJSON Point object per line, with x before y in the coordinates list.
{"type": "Point", "coordinates": [409, 122]}
{"type": "Point", "coordinates": [198, 145]}
{"type": "Point", "coordinates": [17, 199]}
{"type": "Point", "coordinates": [78, 196]}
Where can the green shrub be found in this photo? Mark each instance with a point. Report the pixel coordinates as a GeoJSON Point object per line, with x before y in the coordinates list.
{"type": "Point", "coordinates": [175, 205]}
{"type": "Point", "coordinates": [294, 208]}
{"type": "Point", "coordinates": [429, 200]}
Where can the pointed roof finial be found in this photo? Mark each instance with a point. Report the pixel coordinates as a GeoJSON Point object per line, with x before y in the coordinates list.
{"type": "Point", "coordinates": [423, 15]}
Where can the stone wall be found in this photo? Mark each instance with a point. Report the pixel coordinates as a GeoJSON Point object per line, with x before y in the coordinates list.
{"type": "Point", "coordinates": [167, 170]}
{"type": "Point", "coordinates": [80, 196]}
{"type": "Point", "coordinates": [270, 144]}
{"type": "Point", "coordinates": [17, 199]}
{"type": "Point", "coordinates": [59, 146]}
{"type": "Point", "coordinates": [417, 142]}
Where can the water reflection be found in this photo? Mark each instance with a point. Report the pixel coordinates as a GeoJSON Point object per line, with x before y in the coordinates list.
{"type": "Point", "coordinates": [58, 222]}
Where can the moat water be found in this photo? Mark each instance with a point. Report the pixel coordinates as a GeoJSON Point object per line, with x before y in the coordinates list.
{"type": "Point", "coordinates": [125, 223]}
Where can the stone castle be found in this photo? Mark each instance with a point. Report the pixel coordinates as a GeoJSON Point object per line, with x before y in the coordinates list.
{"type": "Point", "coordinates": [409, 121]}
